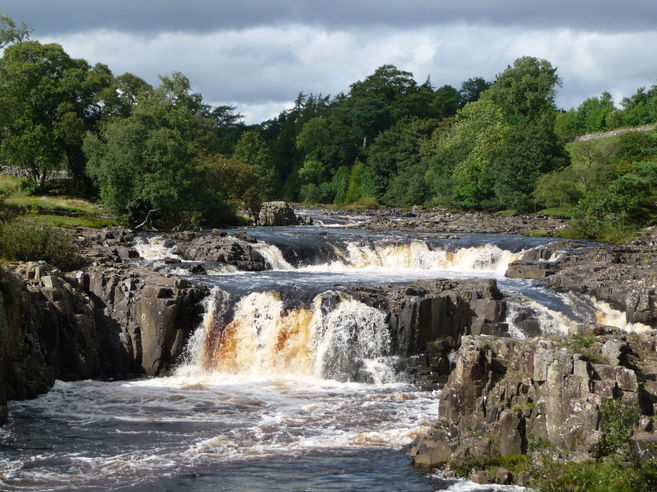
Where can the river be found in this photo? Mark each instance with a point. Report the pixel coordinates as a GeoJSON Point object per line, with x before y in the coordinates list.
{"type": "Point", "coordinates": [268, 400]}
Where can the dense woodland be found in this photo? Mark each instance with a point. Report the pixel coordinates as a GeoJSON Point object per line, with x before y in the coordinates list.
{"type": "Point", "coordinates": [495, 145]}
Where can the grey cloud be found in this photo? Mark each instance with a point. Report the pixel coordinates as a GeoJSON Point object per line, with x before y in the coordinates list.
{"type": "Point", "coordinates": [147, 16]}
{"type": "Point", "coordinates": [260, 68]}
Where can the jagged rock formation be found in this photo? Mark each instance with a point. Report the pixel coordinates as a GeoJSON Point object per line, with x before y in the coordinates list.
{"type": "Point", "coordinates": [505, 395]}
{"type": "Point", "coordinates": [622, 275]}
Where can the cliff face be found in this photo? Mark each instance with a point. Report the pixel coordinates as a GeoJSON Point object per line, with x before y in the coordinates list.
{"type": "Point", "coordinates": [102, 323]}
{"type": "Point", "coordinates": [503, 396]}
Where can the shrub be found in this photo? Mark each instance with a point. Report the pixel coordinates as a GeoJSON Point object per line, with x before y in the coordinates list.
{"type": "Point", "coordinates": [592, 476]}
{"type": "Point", "coordinates": [618, 420]}
{"type": "Point", "coordinates": [30, 242]}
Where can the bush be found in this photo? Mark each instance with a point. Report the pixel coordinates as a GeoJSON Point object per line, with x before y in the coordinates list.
{"type": "Point", "coordinates": [592, 476]}
{"type": "Point", "coordinates": [30, 242]}
{"type": "Point", "coordinates": [618, 421]}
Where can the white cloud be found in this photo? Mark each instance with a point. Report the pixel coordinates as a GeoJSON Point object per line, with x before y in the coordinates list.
{"type": "Point", "coordinates": [261, 69]}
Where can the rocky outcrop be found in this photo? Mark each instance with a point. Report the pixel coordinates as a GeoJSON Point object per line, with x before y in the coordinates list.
{"type": "Point", "coordinates": [504, 396]}
{"type": "Point", "coordinates": [276, 214]}
{"type": "Point", "coordinates": [623, 276]}
{"type": "Point", "coordinates": [113, 319]}
{"type": "Point", "coordinates": [438, 220]}
{"type": "Point", "coordinates": [48, 331]}
{"type": "Point", "coordinates": [150, 315]}
{"type": "Point", "coordinates": [428, 318]}
{"type": "Point", "coordinates": [224, 249]}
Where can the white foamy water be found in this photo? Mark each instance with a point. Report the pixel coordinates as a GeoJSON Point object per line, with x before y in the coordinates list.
{"type": "Point", "coordinates": [335, 336]}
{"type": "Point", "coordinates": [550, 322]}
{"type": "Point", "coordinates": [102, 434]}
{"type": "Point", "coordinates": [419, 255]}
{"type": "Point", "coordinates": [155, 248]}
{"type": "Point", "coordinates": [606, 315]}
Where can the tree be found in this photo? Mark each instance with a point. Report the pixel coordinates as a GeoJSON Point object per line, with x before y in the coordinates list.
{"type": "Point", "coordinates": [525, 90]}
{"type": "Point", "coordinates": [241, 183]}
{"type": "Point", "coordinates": [525, 94]}
{"type": "Point", "coordinates": [252, 149]}
{"type": "Point", "coordinates": [47, 102]}
{"type": "Point", "coordinates": [471, 89]}
{"type": "Point", "coordinates": [395, 89]}
{"type": "Point", "coordinates": [10, 33]}
{"type": "Point", "coordinates": [395, 167]}
{"type": "Point", "coordinates": [151, 160]}
{"type": "Point", "coordinates": [592, 114]}
{"type": "Point", "coordinates": [480, 134]}
{"type": "Point", "coordinates": [446, 101]}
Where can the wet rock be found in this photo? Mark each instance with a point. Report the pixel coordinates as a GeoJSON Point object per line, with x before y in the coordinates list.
{"type": "Point", "coordinates": [226, 250]}
{"type": "Point", "coordinates": [246, 237]}
{"type": "Point", "coordinates": [530, 270]}
{"type": "Point", "coordinates": [276, 214]}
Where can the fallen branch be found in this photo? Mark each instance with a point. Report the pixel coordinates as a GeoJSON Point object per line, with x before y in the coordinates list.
{"type": "Point", "coordinates": [148, 216]}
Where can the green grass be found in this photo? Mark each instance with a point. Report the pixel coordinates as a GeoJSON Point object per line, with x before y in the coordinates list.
{"type": "Point", "coordinates": [46, 203]}
{"type": "Point", "coordinates": [10, 185]}
{"type": "Point", "coordinates": [560, 212]}
{"type": "Point", "coordinates": [93, 222]}
{"type": "Point", "coordinates": [52, 210]}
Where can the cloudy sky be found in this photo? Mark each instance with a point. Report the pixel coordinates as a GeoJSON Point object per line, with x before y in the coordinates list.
{"type": "Point", "coordinates": [258, 54]}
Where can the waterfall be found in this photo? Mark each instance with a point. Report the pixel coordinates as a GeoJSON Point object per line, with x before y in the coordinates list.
{"type": "Point", "coordinates": [419, 255]}
{"type": "Point", "coordinates": [334, 337]}
{"type": "Point", "coordinates": [155, 248]}
{"type": "Point", "coordinates": [606, 315]}
{"type": "Point", "coordinates": [527, 317]}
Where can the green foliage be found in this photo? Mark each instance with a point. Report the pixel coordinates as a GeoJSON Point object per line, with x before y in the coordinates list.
{"type": "Point", "coordinates": [536, 443]}
{"type": "Point", "coordinates": [471, 90]}
{"type": "Point", "coordinates": [48, 101]}
{"type": "Point", "coordinates": [446, 101]}
{"type": "Point", "coordinates": [592, 476]}
{"type": "Point", "coordinates": [11, 33]}
{"type": "Point", "coordinates": [526, 90]}
{"type": "Point", "coordinates": [515, 463]}
{"type": "Point", "coordinates": [556, 189]}
{"type": "Point", "coordinates": [396, 168]}
{"type": "Point", "coordinates": [620, 208]}
{"type": "Point", "coordinates": [355, 191]}
{"type": "Point", "coordinates": [252, 149]}
{"type": "Point", "coordinates": [468, 156]}
{"type": "Point", "coordinates": [639, 146]}
{"type": "Point", "coordinates": [617, 423]}
{"type": "Point", "coordinates": [581, 342]}
{"type": "Point", "coordinates": [23, 241]}
{"type": "Point", "coordinates": [151, 160]}
{"type": "Point", "coordinates": [239, 181]}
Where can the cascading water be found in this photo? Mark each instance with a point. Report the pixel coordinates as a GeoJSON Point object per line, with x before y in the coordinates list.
{"type": "Point", "coordinates": [335, 337]}
{"type": "Point", "coordinates": [269, 389]}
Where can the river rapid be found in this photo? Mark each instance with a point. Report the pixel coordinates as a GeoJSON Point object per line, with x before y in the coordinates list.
{"type": "Point", "coordinates": [267, 400]}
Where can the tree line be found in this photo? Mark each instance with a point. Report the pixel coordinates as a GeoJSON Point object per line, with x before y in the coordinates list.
{"type": "Point", "coordinates": [489, 145]}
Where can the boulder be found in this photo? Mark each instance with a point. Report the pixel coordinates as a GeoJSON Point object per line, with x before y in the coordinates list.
{"type": "Point", "coordinates": [276, 214]}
